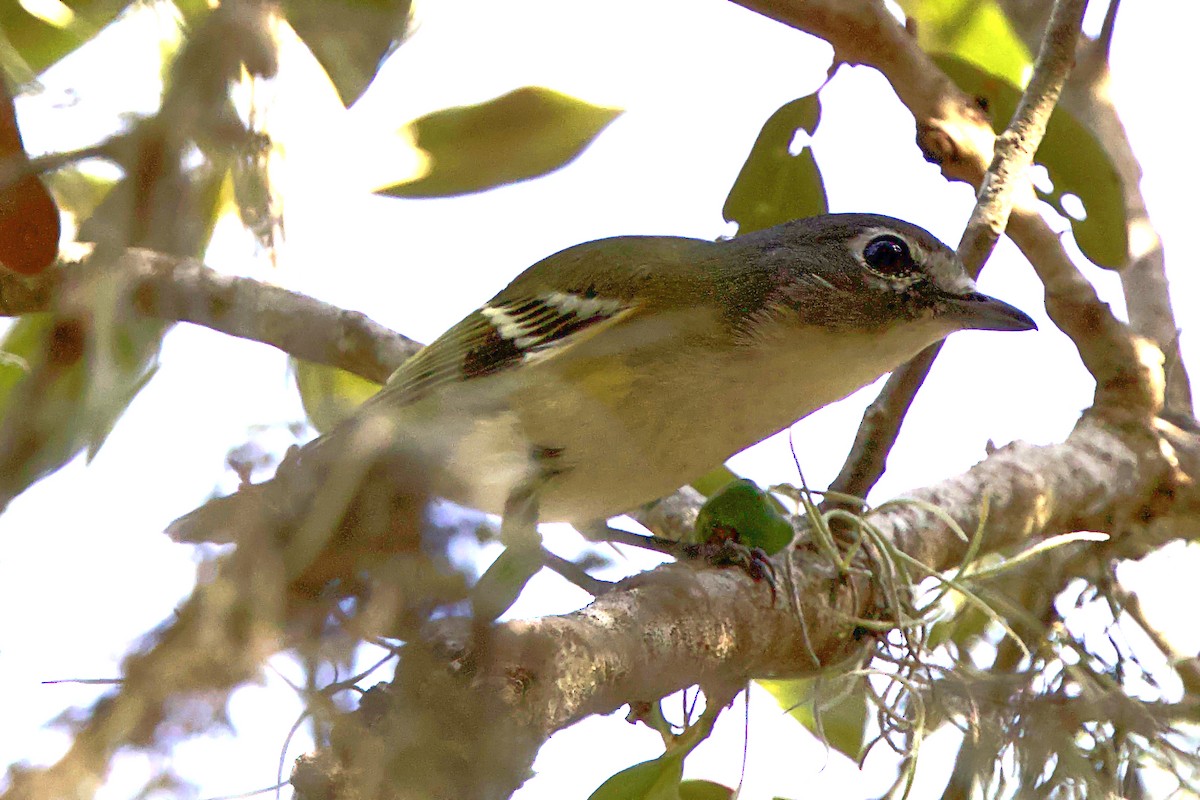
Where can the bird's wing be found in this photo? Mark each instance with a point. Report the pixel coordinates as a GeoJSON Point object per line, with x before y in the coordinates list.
{"type": "Point", "coordinates": [502, 334]}
{"type": "Point", "coordinates": [551, 307]}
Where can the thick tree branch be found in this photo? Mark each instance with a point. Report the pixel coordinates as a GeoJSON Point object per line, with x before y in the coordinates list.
{"type": "Point", "coordinates": [679, 626]}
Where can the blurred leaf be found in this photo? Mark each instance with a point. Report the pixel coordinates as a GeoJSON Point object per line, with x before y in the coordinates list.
{"type": "Point", "coordinates": [258, 203]}
{"type": "Point", "coordinates": [974, 30]}
{"type": "Point", "coordinates": [350, 38]}
{"type": "Point", "coordinates": [744, 513]}
{"type": "Point", "coordinates": [79, 400]}
{"type": "Point", "coordinates": [524, 134]}
{"type": "Point", "coordinates": [193, 11]}
{"type": "Point", "coordinates": [329, 394]}
{"type": "Point", "coordinates": [30, 44]}
{"type": "Point", "coordinates": [158, 204]}
{"type": "Point", "coordinates": [77, 192]}
{"type": "Point", "coordinates": [649, 780]}
{"type": "Point", "coordinates": [843, 721]}
{"type": "Point", "coordinates": [1074, 158]}
{"type": "Point", "coordinates": [88, 366]}
{"type": "Point", "coordinates": [704, 790]}
{"type": "Point", "coordinates": [774, 185]}
{"type": "Point", "coordinates": [29, 221]}
{"type": "Point", "coordinates": [500, 585]}
{"type": "Point", "coordinates": [712, 481]}
{"type": "Point", "coordinates": [963, 628]}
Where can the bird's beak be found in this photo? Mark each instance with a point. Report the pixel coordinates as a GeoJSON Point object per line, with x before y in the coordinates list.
{"type": "Point", "coordinates": [976, 310]}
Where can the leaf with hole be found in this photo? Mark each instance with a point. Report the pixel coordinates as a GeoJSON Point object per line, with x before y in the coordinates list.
{"type": "Point", "coordinates": [1076, 163]}
{"type": "Point", "coordinates": [974, 30]}
{"type": "Point", "coordinates": [775, 185]}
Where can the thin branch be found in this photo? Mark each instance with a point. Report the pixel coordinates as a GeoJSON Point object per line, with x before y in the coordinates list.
{"type": "Point", "coordinates": [1186, 667]}
{"type": "Point", "coordinates": [1015, 148]}
{"type": "Point", "coordinates": [1088, 96]}
{"type": "Point", "coordinates": [1104, 40]}
{"type": "Point", "coordinates": [18, 167]}
{"type": "Point", "coordinates": [1007, 174]}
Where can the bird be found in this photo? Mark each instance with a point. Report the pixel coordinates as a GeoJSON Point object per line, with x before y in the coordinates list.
{"type": "Point", "coordinates": [616, 371]}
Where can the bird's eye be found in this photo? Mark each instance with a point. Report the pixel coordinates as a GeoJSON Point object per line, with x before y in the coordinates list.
{"type": "Point", "coordinates": [889, 256]}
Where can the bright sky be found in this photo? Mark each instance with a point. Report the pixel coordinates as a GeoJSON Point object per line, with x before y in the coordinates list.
{"type": "Point", "coordinates": [83, 550]}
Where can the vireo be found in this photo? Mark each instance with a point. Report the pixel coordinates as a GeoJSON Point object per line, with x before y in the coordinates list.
{"type": "Point", "coordinates": [616, 371]}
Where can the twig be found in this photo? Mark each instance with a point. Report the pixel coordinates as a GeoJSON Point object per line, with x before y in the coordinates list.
{"type": "Point", "coordinates": [576, 574]}
{"type": "Point", "coordinates": [15, 168]}
{"type": "Point", "coordinates": [1007, 174]}
{"type": "Point", "coordinates": [1186, 667]}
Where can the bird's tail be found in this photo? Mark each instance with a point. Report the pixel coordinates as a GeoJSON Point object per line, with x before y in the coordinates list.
{"type": "Point", "coordinates": [225, 519]}
{"type": "Point", "coordinates": [363, 476]}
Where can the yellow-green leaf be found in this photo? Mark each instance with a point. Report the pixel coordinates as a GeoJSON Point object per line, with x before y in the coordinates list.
{"type": "Point", "coordinates": [775, 185]}
{"type": "Point", "coordinates": [524, 134]}
{"type": "Point", "coordinates": [90, 363]}
{"type": "Point", "coordinates": [329, 394]}
{"type": "Point", "coordinates": [29, 44]}
{"type": "Point", "coordinates": [77, 192]}
{"type": "Point", "coordinates": [843, 708]}
{"type": "Point", "coordinates": [649, 780]}
{"type": "Point", "coordinates": [89, 373]}
{"type": "Point", "coordinates": [704, 790]}
{"type": "Point", "coordinates": [974, 30]}
{"type": "Point", "coordinates": [712, 481]}
{"type": "Point", "coordinates": [350, 38]}
{"type": "Point", "coordinates": [1072, 156]}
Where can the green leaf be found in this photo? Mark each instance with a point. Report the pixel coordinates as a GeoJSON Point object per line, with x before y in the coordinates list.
{"type": "Point", "coordinates": [524, 134]}
{"type": "Point", "coordinates": [329, 394]}
{"type": "Point", "coordinates": [745, 513]}
{"type": "Point", "coordinates": [704, 790]}
{"type": "Point", "coordinates": [843, 708]}
{"type": "Point", "coordinates": [963, 628]}
{"type": "Point", "coordinates": [1076, 162]}
{"type": "Point", "coordinates": [89, 363]}
{"type": "Point", "coordinates": [714, 480]}
{"type": "Point", "coordinates": [98, 369]}
{"type": "Point", "coordinates": [500, 585]}
{"type": "Point", "coordinates": [774, 185]}
{"type": "Point", "coordinates": [974, 30]}
{"type": "Point", "coordinates": [649, 780]}
{"type": "Point", "coordinates": [192, 11]}
{"type": "Point", "coordinates": [29, 44]}
{"type": "Point", "coordinates": [77, 192]}
{"type": "Point", "coordinates": [350, 38]}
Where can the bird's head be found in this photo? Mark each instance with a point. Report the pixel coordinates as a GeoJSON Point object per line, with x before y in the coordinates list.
{"type": "Point", "coordinates": [868, 272]}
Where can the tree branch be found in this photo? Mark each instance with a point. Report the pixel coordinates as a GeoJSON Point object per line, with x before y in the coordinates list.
{"type": "Point", "coordinates": [184, 290]}
{"type": "Point", "coordinates": [953, 132]}
{"type": "Point", "coordinates": [679, 626]}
